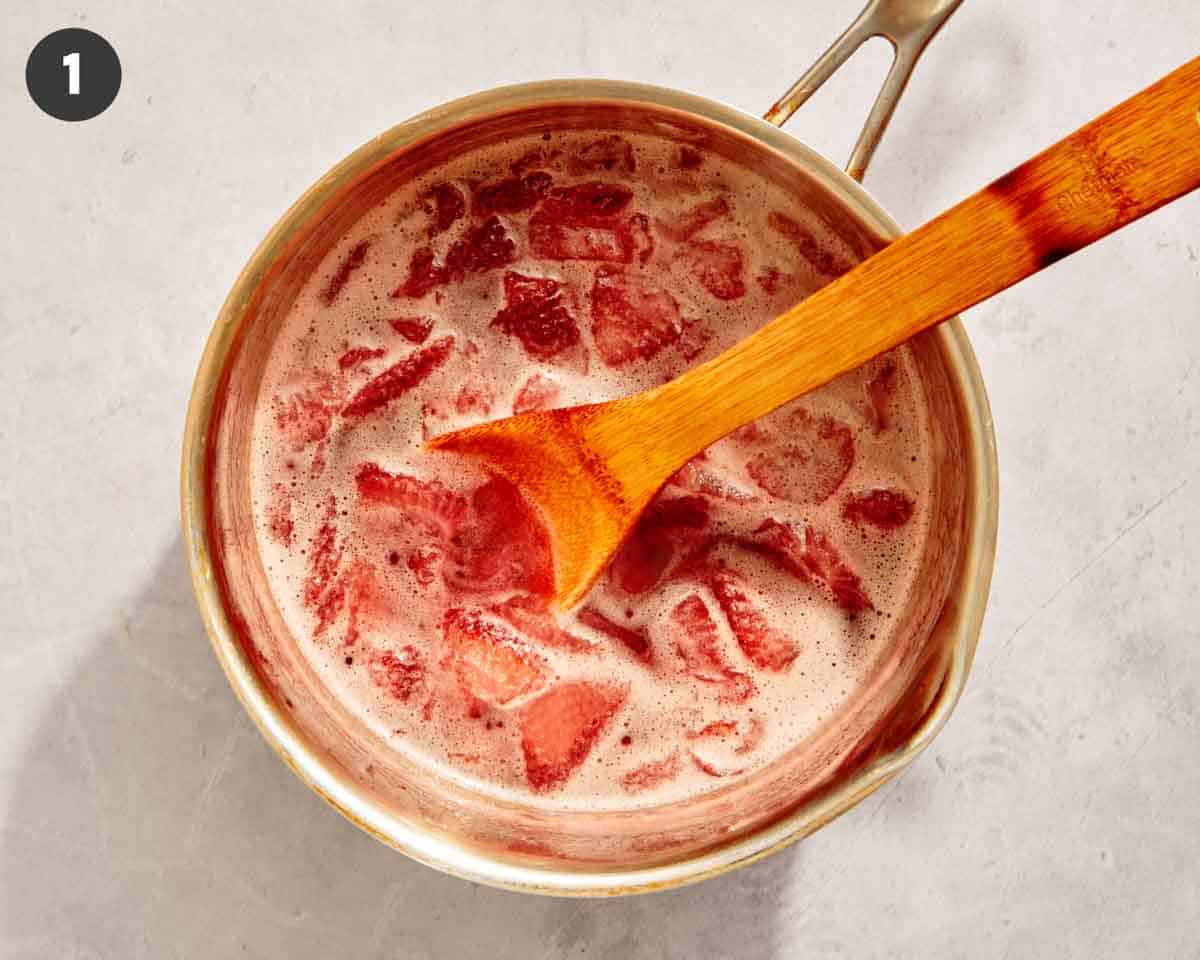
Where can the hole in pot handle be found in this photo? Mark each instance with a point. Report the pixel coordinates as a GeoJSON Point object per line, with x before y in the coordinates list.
{"type": "Point", "coordinates": [908, 25]}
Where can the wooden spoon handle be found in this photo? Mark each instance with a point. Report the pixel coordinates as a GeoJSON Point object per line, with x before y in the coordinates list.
{"type": "Point", "coordinates": [1121, 166]}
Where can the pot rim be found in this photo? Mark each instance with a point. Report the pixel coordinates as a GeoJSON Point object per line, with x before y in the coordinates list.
{"type": "Point", "coordinates": [459, 859]}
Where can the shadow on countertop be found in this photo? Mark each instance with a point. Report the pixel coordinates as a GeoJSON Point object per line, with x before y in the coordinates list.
{"type": "Point", "coordinates": [149, 819]}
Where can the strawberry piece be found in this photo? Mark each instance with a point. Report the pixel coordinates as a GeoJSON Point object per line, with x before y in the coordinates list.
{"type": "Point", "coordinates": [551, 240]}
{"type": "Point", "coordinates": [586, 204]}
{"type": "Point", "coordinates": [652, 774]}
{"type": "Point", "coordinates": [718, 268]}
{"type": "Point", "coordinates": [474, 397]}
{"type": "Point", "coordinates": [447, 204]}
{"type": "Point", "coordinates": [280, 526]}
{"type": "Point", "coordinates": [631, 321]}
{"type": "Point", "coordinates": [484, 247]}
{"type": "Point", "coordinates": [534, 158]}
{"type": "Point", "coordinates": [412, 329]}
{"type": "Point", "coordinates": [401, 672]}
{"type": "Point", "coordinates": [504, 547]}
{"type": "Point", "coordinates": [697, 641]}
{"type": "Point", "coordinates": [645, 556]}
{"type": "Point", "coordinates": [610, 153]}
{"type": "Point", "coordinates": [428, 503]}
{"type": "Point", "coordinates": [350, 263]}
{"type": "Point", "coordinates": [689, 159]}
{"type": "Point", "coordinates": [885, 509]}
{"type": "Point", "coordinates": [559, 729]}
{"type": "Point", "coordinates": [770, 280]}
{"type": "Point", "coordinates": [426, 564]}
{"type": "Point", "coordinates": [801, 459]}
{"type": "Point", "coordinates": [635, 641]}
{"type": "Point", "coordinates": [398, 379]}
{"type": "Point", "coordinates": [534, 313]}
{"type": "Point", "coordinates": [510, 195]}
{"type": "Point", "coordinates": [720, 749]}
{"type": "Point", "coordinates": [531, 618]}
{"type": "Point", "coordinates": [492, 663]}
{"type": "Point", "coordinates": [823, 260]}
{"type": "Point", "coordinates": [356, 356]}
{"type": "Point", "coordinates": [305, 416]}
{"type": "Point", "coordinates": [879, 390]}
{"type": "Point", "coordinates": [765, 646]}
{"type": "Point", "coordinates": [322, 591]}
{"type": "Point", "coordinates": [423, 275]}
{"type": "Point", "coordinates": [637, 243]}
{"type": "Point", "coordinates": [692, 221]}
{"type": "Point", "coordinates": [811, 557]}
{"type": "Point", "coordinates": [538, 393]}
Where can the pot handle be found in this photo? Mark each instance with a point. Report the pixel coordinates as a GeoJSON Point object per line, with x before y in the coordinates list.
{"type": "Point", "coordinates": [908, 25]}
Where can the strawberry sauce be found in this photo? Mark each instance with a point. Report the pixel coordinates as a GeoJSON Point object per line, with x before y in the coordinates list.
{"type": "Point", "coordinates": [756, 593]}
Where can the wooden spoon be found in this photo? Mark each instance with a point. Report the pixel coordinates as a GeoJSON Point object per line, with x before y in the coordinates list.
{"type": "Point", "coordinates": [592, 469]}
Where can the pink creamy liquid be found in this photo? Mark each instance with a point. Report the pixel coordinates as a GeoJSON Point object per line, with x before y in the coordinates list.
{"type": "Point", "coordinates": [760, 588]}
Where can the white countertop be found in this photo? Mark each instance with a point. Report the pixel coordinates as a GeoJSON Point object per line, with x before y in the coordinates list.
{"type": "Point", "coordinates": [141, 815]}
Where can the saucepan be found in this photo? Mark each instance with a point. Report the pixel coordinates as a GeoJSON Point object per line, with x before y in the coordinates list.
{"type": "Point", "coordinates": [577, 852]}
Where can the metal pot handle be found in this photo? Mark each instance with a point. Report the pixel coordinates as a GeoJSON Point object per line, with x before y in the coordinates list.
{"type": "Point", "coordinates": [908, 25]}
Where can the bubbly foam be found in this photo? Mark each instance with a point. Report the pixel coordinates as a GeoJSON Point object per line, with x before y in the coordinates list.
{"type": "Point", "coordinates": [363, 586]}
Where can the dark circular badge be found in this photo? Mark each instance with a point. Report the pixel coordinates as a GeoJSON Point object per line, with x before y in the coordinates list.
{"type": "Point", "coordinates": [73, 74]}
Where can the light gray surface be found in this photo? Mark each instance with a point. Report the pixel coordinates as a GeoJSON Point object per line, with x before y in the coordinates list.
{"type": "Point", "coordinates": [142, 815]}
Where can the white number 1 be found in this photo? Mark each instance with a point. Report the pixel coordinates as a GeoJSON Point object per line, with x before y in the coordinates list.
{"type": "Point", "coordinates": [71, 62]}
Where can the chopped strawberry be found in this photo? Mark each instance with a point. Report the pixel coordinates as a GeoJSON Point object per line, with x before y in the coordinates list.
{"type": "Point", "coordinates": [879, 390]}
{"type": "Point", "coordinates": [538, 393]}
{"type": "Point", "coordinates": [698, 643]}
{"type": "Point", "coordinates": [304, 416]}
{"type": "Point", "coordinates": [412, 329]}
{"type": "Point", "coordinates": [770, 279]}
{"type": "Point", "coordinates": [586, 204]}
{"type": "Point", "coordinates": [692, 221]}
{"type": "Point", "coordinates": [885, 509]}
{"type": "Point", "coordinates": [366, 600]}
{"type": "Point", "coordinates": [720, 749]}
{"type": "Point", "coordinates": [323, 592]}
{"type": "Point", "coordinates": [823, 260]}
{"type": "Point", "coordinates": [552, 240]}
{"type": "Point", "coordinates": [357, 356]}
{"type": "Point", "coordinates": [350, 263]}
{"type": "Point", "coordinates": [559, 729]}
{"type": "Point", "coordinates": [610, 153]}
{"type": "Point", "coordinates": [280, 526]}
{"type": "Point", "coordinates": [504, 547]}
{"type": "Point", "coordinates": [637, 243]}
{"type": "Point", "coordinates": [689, 159]}
{"type": "Point", "coordinates": [426, 564]}
{"type": "Point", "coordinates": [645, 556]}
{"type": "Point", "coordinates": [635, 641]}
{"type": "Point", "coordinates": [440, 511]}
{"type": "Point", "coordinates": [492, 663]}
{"type": "Point", "coordinates": [447, 204]}
{"type": "Point", "coordinates": [534, 313]}
{"type": "Point", "coordinates": [399, 378]}
{"type": "Point", "coordinates": [651, 774]}
{"type": "Point", "coordinates": [475, 396]}
{"type": "Point", "coordinates": [631, 321]}
{"type": "Point", "coordinates": [801, 458]}
{"type": "Point", "coordinates": [484, 247]}
{"type": "Point", "coordinates": [423, 275]}
{"type": "Point", "coordinates": [811, 557]}
{"type": "Point", "coordinates": [534, 158]}
{"type": "Point", "coordinates": [765, 646]}
{"type": "Point", "coordinates": [532, 619]}
{"type": "Point", "coordinates": [510, 195]}
{"type": "Point", "coordinates": [717, 267]}
{"type": "Point", "coordinates": [401, 673]}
